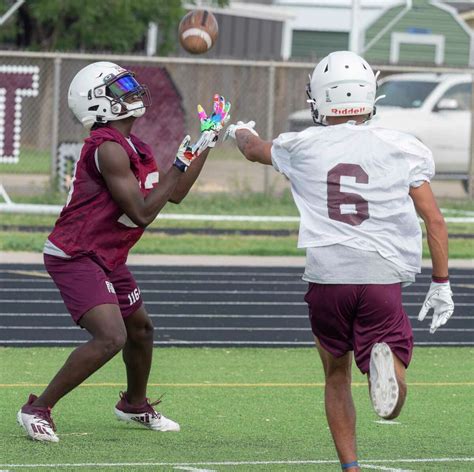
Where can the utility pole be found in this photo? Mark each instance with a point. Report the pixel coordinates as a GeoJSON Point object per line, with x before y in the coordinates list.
{"type": "Point", "coordinates": [354, 36]}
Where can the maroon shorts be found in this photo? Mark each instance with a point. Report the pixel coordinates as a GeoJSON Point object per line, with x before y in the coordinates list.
{"type": "Point", "coordinates": [84, 284]}
{"type": "Point", "coordinates": [355, 317]}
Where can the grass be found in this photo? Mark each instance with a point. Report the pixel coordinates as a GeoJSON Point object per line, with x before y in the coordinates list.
{"type": "Point", "coordinates": [251, 203]}
{"type": "Point", "coordinates": [215, 204]}
{"type": "Point", "coordinates": [238, 405]}
{"type": "Point", "coordinates": [210, 245]}
{"type": "Point", "coordinates": [32, 161]}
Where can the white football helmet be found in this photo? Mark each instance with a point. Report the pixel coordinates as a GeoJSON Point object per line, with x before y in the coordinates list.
{"type": "Point", "coordinates": [342, 84]}
{"type": "Point", "coordinates": [101, 92]}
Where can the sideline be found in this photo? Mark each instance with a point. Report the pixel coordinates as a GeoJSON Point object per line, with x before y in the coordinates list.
{"type": "Point", "coordinates": [206, 260]}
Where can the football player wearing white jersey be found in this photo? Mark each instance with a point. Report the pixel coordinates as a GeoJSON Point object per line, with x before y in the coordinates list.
{"type": "Point", "coordinates": [358, 189]}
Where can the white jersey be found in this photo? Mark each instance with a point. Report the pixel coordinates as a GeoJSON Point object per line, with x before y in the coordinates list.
{"type": "Point", "coordinates": [351, 182]}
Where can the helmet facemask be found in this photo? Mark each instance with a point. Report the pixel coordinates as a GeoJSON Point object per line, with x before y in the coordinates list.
{"type": "Point", "coordinates": [312, 103]}
{"type": "Point", "coordinates": [103, 92]}
{"type": "Point", "coordinates": [119, 90]}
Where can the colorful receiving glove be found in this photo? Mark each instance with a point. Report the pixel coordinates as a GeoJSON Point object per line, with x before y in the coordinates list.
{"type": "Point", "coordinates": [439, 297]}
{"type": "Point", "coordinates": [210, 127]}
{"type": "Point", "coordinates": [230, 131]}
{"type": "Point", "coordinates": [217, 120]}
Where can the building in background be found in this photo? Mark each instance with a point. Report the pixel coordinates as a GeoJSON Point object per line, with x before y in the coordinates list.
{"type": "Point", "coordinates": [428, 32]}
{"type": "Point", "coordinates": [250, 30]}
{"type": "Point", "coordinates": [425, 33]}
{"type": "Point", "coordinates": [322, 26]}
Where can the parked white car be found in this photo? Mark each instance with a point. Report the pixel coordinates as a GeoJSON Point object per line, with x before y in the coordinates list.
{"type": "Point", "coordinates": [436, 108]}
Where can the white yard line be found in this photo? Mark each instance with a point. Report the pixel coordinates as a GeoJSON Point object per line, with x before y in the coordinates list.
{"type": "Point", "coordinates": [370, 463]}
{"type": "Point", "coordinates": [220, 343]}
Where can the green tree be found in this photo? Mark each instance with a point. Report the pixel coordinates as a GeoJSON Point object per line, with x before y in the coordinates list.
{"type": "Point", "coordinates": [92, 25]}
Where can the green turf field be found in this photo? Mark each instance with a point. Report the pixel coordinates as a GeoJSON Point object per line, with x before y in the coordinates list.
{"type": "Point", "coordinates": [242, 406]}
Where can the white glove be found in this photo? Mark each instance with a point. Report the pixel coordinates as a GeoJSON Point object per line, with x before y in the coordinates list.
{"type": "Point", "coordinates": [439, 297]}
{"type": "Point", "coordinates": [230, 131]}
{"type": "Point", "coordinates": [185, 154]}
{"type": "Point", "coordinates": [207, 139]}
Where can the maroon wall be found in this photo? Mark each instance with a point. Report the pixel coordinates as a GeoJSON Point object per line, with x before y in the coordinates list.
{"type": "Point", "coordinates": [162, 127]}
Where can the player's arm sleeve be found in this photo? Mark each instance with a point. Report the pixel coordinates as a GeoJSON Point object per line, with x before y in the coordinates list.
{"type": "Point", "coordinates": [421, 163]}
{"type": "Point", "coordinates": [282, 148]}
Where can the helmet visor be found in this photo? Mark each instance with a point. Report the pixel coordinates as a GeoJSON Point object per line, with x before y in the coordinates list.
{"type": "Point", "coordinates": [124, 85]}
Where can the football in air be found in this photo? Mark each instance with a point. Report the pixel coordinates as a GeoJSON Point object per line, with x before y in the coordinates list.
{"type": "Point", "coordinates": [198, 31]}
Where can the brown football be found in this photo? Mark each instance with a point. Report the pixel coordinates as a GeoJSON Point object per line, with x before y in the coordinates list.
{"type": "Point", "coordinates": [198, 31]}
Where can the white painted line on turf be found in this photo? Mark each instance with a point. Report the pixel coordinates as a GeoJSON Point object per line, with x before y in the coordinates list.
{"type": "Point", "coordinates": [221, 343]}
{"type": "Point", "coordinates": [388, 422]}
{"type": "Point", "coordinates": [238, 385]}
{"type": "Point", "coordinates": [193, 469]}
{"type": "Point", "coordinates": [379, 467]}
{"type": "Point", "coordinates": [241, 463]}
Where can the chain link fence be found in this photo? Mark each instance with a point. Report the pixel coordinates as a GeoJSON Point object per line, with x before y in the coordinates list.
{"type": "Point", "coordinates": [40, 139]}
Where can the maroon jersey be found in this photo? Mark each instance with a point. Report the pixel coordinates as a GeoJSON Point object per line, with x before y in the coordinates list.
{"type": "Point", "coordinates": [91, 223]}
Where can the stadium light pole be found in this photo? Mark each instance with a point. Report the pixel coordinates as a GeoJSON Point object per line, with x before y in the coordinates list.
{"type": "Point", "coordinates": [354, 35]}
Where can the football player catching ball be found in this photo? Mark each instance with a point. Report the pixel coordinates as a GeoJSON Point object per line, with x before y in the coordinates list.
{"type": "Point", "coordinates": [116, 192]}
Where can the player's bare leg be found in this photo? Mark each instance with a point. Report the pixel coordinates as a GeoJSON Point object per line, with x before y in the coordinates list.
{"type": "Point", "coordinates": [137, 354]}
{"type": "Point", "coordinates": [134, 406]}
{"type": "Point", "coordinates": [340, 410]}
{"type": "Point", "coordinates": [105, 324]}
{"type": "Point", "coordinates": [399, 370]}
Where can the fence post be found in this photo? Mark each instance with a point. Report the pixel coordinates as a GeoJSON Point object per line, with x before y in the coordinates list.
{"type": "Point", "coordinates": [470, 183]}
{"type": "Point", "coordinates": [55, 115]}
{"type": "Point", "coordinates": [270, 121]}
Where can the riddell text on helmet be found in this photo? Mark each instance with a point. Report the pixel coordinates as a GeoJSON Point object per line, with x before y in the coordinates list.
{"type": "Point", "coordinates": [348, 111]}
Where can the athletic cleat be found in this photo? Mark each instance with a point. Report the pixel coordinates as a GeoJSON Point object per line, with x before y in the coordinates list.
{"type": "Point", "coordinates": [144, 414]}
{"type": "Point", "coordinates": [383, 381]}
{"type": "Point", "coordinates": [37, 421]}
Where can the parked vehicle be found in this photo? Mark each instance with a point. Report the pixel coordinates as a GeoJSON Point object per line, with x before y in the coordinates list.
{"type": "Point", "coordinates": [436, 108]}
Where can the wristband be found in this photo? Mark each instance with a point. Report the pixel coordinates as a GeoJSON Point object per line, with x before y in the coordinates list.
{"type": "Point", "coordinates": [439, 280]}
{"type": "Point", "coordinates": [349, 465]}
{"type": "Point", "coordinates": [180, 165]}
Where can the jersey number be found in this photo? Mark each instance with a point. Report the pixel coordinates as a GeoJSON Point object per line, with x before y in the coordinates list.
{"type": "Point", "coordinates": [336, 198]}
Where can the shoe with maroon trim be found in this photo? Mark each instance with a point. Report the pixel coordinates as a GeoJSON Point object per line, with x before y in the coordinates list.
{"type": "Point", "coordinates": [144, 414]}
{"type": "Point", "coordinates": [37, 421]}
